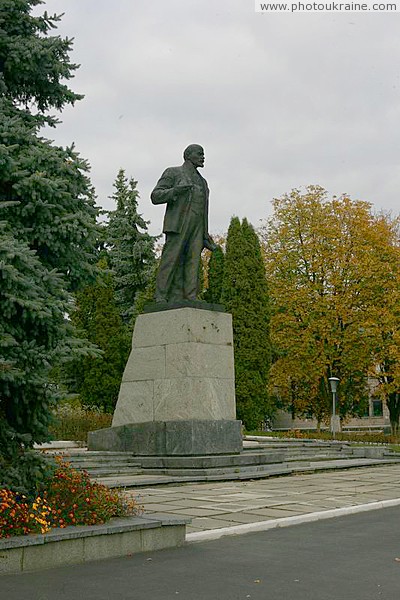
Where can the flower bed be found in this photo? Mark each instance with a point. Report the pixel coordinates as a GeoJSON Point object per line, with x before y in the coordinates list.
{"type": "Point", "coordinates": [68, 497]}
{"type": "Point", "coordinates": [73, 520]}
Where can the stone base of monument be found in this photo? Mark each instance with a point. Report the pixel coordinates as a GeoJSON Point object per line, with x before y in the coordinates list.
{"type": "Point", "coordinates": [177, 395]}
{"type": "Point", "coordinates": [171, 438]}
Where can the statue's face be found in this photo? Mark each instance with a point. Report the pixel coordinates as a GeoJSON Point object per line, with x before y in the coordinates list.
{"type": "Point", "coordinates": [196, 156]}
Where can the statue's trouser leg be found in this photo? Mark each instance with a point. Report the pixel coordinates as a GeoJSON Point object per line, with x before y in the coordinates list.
{"type": "Point", "coordinates": [169, 265]}
{"type": "Point", "coordinates": [178, 274]}
{"type": "Point", "coordinates": [194, 246]}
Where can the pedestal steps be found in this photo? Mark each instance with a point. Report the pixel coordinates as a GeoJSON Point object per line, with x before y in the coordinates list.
{"type": "Point", "coordinates": [149, 479]}
{"type": "Point", "coordinates": [101, 464]}
{"type": "Point", "coordinates": [114, 467]}
{"type": "Point", "coordinates": [258, 471]}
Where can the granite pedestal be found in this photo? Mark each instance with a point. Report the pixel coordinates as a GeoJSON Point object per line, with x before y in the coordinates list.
{"type": "Point", "coordinates": [177, 395]}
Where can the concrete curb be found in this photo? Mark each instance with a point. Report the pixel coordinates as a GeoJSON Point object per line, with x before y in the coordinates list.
{"type": "Point", "coordinates": [58, 445]}
{"type": "Point", "coordinates": [215, 534]}
{"type": "Point", "coordinates": [81, 544]}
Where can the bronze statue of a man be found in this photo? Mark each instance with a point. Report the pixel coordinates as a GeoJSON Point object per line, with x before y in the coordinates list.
{"type": "Point", "coordinates": [185, 192]}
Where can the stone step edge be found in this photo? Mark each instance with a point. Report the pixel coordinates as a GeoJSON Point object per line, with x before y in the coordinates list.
{"type": "Point", "coordinates": [81, 544]}
{"type": "Point", "coordinates": [295, 442]}
{"type": "Point", "coordinates": [111, 471]}
{"type": "Point", "coordinates": [103, 468]}
{"type": "Point", "coordinates": [221, 462]}
{"type": "Point", "coordinates": [281, 469]}
{"type": "Point", "coordinates": [98, 468]}
{"type": "Point", "coordinates": [316, 464]}
{"type": "Point", "coordinates": [190, 462]}
{"type": "Point", "coordinates": [226, 471]}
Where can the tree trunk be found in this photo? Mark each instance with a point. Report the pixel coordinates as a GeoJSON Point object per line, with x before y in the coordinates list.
{"type": "Point", "coordinates": [393, 404]}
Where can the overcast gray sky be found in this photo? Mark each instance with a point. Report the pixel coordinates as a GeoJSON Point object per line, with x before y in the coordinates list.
{"type": "Point", "coordinates": [277, 100]}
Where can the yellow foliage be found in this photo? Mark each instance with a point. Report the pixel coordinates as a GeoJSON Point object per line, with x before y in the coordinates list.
{"type": "Point", "coordinates": [333, 269]}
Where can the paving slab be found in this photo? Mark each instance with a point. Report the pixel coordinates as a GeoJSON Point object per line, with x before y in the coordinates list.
{"type": "Point", "coordinates": [252, 519]}
{"type": "Point", "coordinates": [204, 523]}
{"type": "Point", "coordinates": [166, 507]}
{"type": "Point", "coordinates": [243, 518]}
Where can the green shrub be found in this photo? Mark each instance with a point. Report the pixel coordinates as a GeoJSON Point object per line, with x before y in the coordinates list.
{"type": "Point", "coordinates": [73, 421]}
{"type": "Point", "coordinates": [23, 471]}
{"type": "Point", "coordinates": [347, 436]}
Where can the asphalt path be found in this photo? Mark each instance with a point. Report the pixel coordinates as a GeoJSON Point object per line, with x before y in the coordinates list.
{"type": "Point", "coordinates": [356, 557]}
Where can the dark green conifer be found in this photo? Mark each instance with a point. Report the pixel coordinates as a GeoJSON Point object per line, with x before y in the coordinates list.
{"type": "Point", "coordinates": [215, 276]}
{"type": "Point", "coordinates": [245, 295]}
{"type": "Point", "coordinates": [130, 247]}
{"type": "Point", "coordinates": [34, 64]}
{"type": "Point", "coordinates": [34, 335]}
{"type": "Point", "coordinates": [97, 379]}
{"type": "Point", "coordinates": [47, 235]}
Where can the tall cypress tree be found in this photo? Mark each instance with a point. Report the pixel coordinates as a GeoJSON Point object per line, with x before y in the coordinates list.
{"type": "Point", "coordinates": [131, 248]}
{"type": "Point", "coordinates": [215, 276]}
{"type": "Point", "coordinates": [49, 228]}
{"type": "Point", "coordinates": [245, 295]}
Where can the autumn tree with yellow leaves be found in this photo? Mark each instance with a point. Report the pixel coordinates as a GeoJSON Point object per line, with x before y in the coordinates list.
{"type": "Point", "coordinates": [333, 273]}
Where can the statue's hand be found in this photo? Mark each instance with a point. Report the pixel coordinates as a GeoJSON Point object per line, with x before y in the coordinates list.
{"type": "Point", "coordinates": [210, 244]}
{"type": "Point", "coordinates": [182, 188]}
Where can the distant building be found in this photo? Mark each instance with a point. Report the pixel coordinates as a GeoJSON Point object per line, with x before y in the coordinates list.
{"type": "Point", "coordinates": [376, 418]}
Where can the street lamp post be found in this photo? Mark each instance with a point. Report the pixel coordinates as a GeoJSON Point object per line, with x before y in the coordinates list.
{"type": "Point", "coordinates": [333, 381]}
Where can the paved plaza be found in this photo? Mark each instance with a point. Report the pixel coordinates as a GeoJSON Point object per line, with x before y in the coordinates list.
{"type": "Point", "coordinates": [357, 556]}
{"type": "Point", "coordinates": [226, 504]}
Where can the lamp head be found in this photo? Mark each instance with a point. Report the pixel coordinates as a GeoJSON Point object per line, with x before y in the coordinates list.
{"type": "Point", "coordinates": [333, 381]}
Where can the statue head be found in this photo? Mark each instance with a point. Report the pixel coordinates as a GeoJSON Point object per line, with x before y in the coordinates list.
{"type": "Point", "coordinates": [194, 154]}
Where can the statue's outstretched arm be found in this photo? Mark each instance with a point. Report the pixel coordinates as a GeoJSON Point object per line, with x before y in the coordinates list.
{"type": "Point", "coordinates": [164, 191]}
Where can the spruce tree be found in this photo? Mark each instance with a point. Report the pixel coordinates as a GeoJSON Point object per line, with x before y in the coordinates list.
{"type": "Point", "coordinates": [48, 231]}
{"type": "Point", "coordinates": [55, 213]}
{"type": "Point", "coordinates": [147, 295]}
{"type": "Point", "coordinates": [245, 295]}
{"type": "Point", "coordinates": [215, 276]}
{"type": "Point", "coordinates": [33, 335]}
{"type": "Point", "coordinates": [34, 64]}
{"type": "Point", "coordinates": [130, 247]}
